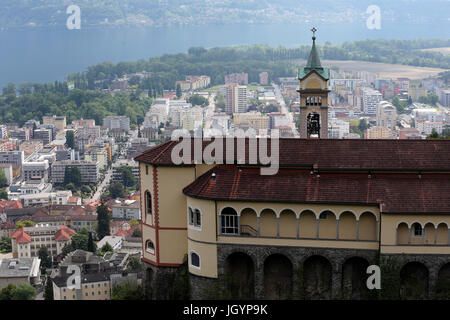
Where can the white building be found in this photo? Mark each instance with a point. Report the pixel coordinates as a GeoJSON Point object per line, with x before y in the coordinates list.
{"type": "Point", "coordinates": [386, 115]}
{"type": "Point", "coordinates": [45, 198]}
{"type": "Point", "coordinates": [88, 169]}
{"type": "Point", "coordinates": [21, 270]}
{"type": "Point", "coordinates": [370, 100]}
{"type": "Point", "coordinates": [338, 129]}
{"type": "Point", "coordinates": [117, 122]}
{"type": "Point", "coordinates": [126, 209]}
{"type": "Point", "coordinates": [114, 241]}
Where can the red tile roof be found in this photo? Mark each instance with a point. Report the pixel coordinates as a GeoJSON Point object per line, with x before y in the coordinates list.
{"type": "Point", "coordinates": [21, 236]}
{"type": "Point", "coordinates": [64, 234]}
{"type": "Point", "coordinates": [7, 225]}
{"type": "Point", "coordinates": [336, 154]}
{"type": "Point", "coordinates": [10, 204]}
{"type": "Point", "coordinates": [399, 193]}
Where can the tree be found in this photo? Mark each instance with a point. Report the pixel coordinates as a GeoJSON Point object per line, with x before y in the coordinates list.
{"type": "Point", "coordinates": [137, 233]}
{"type": "Point", "coordinates": [80, 240]}
{"type": "Point", "coordinates": [24, 291]}
{"type": "Point", "coordinates": [198, 100]}
{"type": "Point", "coordinates": [5, 245]}
{"type": "Point", "coordinates": [46, 260]}
{"type": "Point", "coordinates": [86, 189]}
{"type": "Point", "coordinates": [3, 181]}
{"type": "Point", "coordinates": [68, 248]}
{"type": "Point", "coordinates": [116, 190]}
{"type": "Point", "coordinates": [363, 125]}
{"type": "Point", "coordinates": [433, 135]}
{"type": "Point", "coordinates": [134, 222]}
{"type": "Point", "coordinates": [134, 263]}
{"type": "Point", "coordinates": [3, 194]}
{"type": "Point", "coordinates": [103, 219]}
{"type": "Point", "coordinates": [70, 139]}
{"type": "Point", "coordinates": [48, 291]}
{"type": "Point", "coordinates": [126, 175]}
{"type": "Point", "coordinates": [179, 93]}
{"type": "Point", "coordinates": [91, 245]}
{"type": "Point", "coordinates": [127, 291]}
{"type": "Point", "coordinates": [106, 248]}
{"type": "Point", "coordinates": [7, 292]}
{"type": "Point", "coordinates": [25, 223]}
{"type": "Point", "coordinates": [72, 175]}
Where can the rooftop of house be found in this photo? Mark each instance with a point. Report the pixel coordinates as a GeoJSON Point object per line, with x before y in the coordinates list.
{"type": "Point", "coordinates": [19, 268]}
{"type": "Point", "coordinates": [348, 154]}
{"type": "Point", "coordinates": [395, 193]}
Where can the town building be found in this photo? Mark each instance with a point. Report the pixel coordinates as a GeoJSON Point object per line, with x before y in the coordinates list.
{"type": "Point", "coordinates": [21, 270]}
{"type": "Point", "coordinates": [117, 175]}
{"type": "Point", "coordinates": [89, 170]}
{"type": "Point", "coordinates": [264, 78]}
{"type": "Point", "coordinates": [194, 83]}
{"type": "Point", "coordinates": [444, 98]}
{"type": "Point", "coordinates": [386, 115]}
{"type": "Point", "coordinates": [377, 132]}
{"type": "Point", "coordinates": [416, 92]}
{"type": "Point", "coordinates": [33, 170]}
{"type": "Point", "coordinates": [338, 129]}
{"type": "Point", "coordinates": [126, 209]}
{"type": "Point", "coordinates": [43, 135]}
{"type": "Point", "coordinates": [27, 241]}
{"type": "Point", "coordinates": [254, 119]}
{"type": "Point", "coordinates": [98, 277]}
{"type": "Point", "coordinates": [370, 100]}
{"type": "Point", "coordinates": [58, 121]}
{"type": "Point", "coordinates": [236, 99]}
{"type": "Point", "coordinates": [237, 78]}
{"type": "Point", "coordinates": [117, 122]}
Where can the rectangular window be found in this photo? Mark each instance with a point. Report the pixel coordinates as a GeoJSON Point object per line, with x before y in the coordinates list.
{"type": "Point", "coordinates": [229, 224]}
{"type": "Point", "coordinates": [146, 170]}
{"type": "Point", "coordinates": [198, 218]}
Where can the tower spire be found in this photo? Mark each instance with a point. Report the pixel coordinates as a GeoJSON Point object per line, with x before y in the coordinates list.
{"type": "Point", "coordinates": [314, 60]}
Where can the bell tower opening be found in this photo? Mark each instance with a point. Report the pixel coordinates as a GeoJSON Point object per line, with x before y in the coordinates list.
{"type": "Point", "coordinates": [313, 122]}
{"type": "Point", "coordinates": [313, 96]}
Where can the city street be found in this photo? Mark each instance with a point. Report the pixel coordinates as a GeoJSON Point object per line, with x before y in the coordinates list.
{"type": "Point", "coordinates": [284, 109]}
{"type": "Point", "coordinates": [100, 189]}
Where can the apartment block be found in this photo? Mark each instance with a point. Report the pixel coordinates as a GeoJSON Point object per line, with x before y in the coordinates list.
{"type": "Point", "coordinates": [89, 170]}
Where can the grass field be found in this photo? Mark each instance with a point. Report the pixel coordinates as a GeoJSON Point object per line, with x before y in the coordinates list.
{"type": "Point", "coordinates": [445, 50]}
{"type": "Point", "coordinates": [383, 69]}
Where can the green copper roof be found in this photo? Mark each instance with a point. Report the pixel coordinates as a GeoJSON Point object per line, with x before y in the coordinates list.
{"type": "Point", "coordinates": [313, 60]}
{"type": "Point", "coordinates": [313, 63]}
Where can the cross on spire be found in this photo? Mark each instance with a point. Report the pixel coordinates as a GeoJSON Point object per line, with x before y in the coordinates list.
{"type": "Point", "coordinates": [314, 33]}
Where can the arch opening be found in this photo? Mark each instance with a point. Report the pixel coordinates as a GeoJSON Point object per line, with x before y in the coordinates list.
{"type": "Point", "coordinates": [240, 276]}
{"type": "Point", "coordinates": [317, 278]}
{"type": "Point", "coordinates": [277, 277]}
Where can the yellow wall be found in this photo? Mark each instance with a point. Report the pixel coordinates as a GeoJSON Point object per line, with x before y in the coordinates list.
{"type": "Point", "coordinates": [171, 200]}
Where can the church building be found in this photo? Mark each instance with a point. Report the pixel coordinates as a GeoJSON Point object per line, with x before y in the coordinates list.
{"type": "Point", "coordinates": [310, 231]}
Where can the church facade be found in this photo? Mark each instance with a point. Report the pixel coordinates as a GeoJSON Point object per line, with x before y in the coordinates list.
{"type": "Point", "coordinates": [310, 231]}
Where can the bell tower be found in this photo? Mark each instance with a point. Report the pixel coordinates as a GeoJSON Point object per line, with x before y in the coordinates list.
{"type": "Point", "coordinates": [313, 96]}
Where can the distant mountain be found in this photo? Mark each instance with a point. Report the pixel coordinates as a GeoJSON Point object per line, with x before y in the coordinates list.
{"type": "Point", "coordinates": [44, 13]}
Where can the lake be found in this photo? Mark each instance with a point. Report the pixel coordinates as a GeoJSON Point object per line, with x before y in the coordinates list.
{"type": "Point", "coordinates": [44, 55]}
